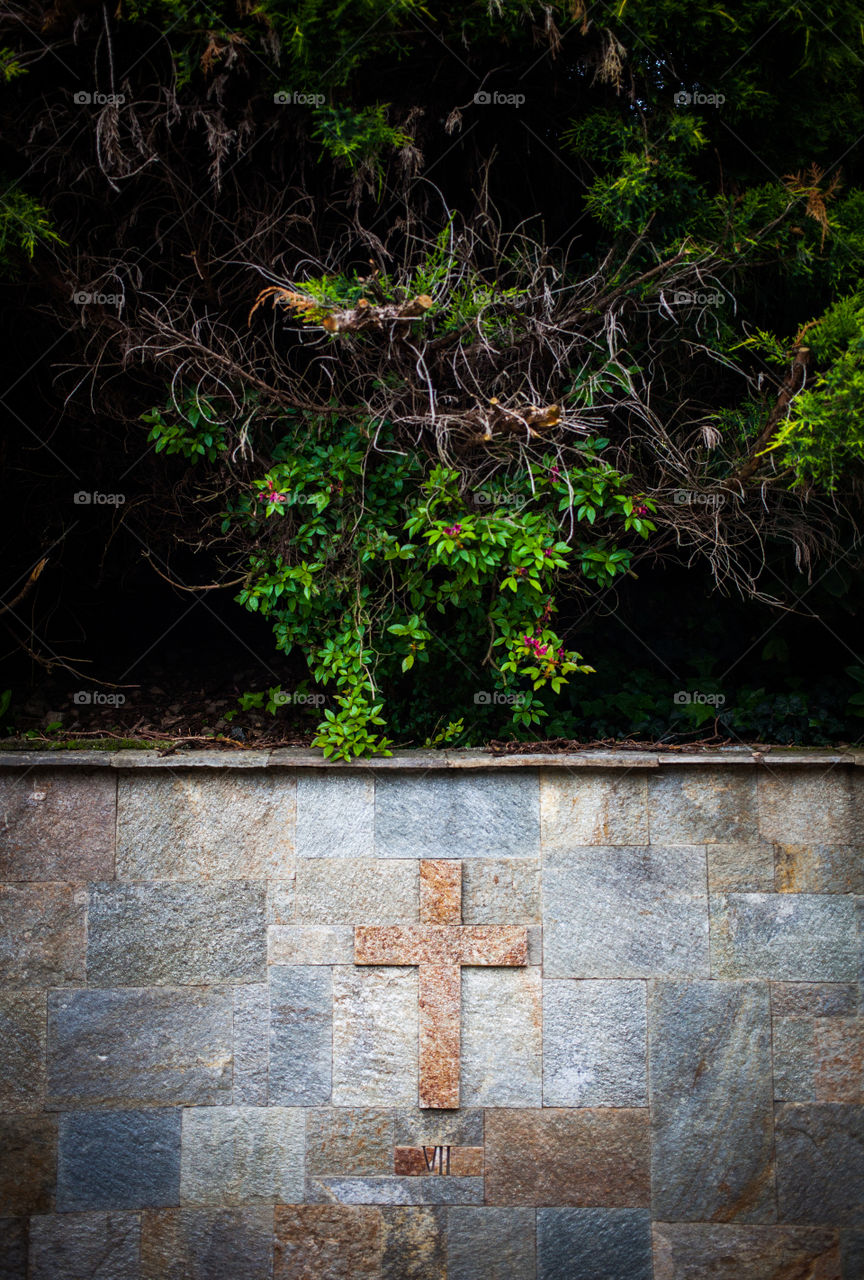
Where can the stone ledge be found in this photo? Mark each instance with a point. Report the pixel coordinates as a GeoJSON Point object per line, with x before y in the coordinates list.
{"type": "Point", "coordinates": [424, 761]}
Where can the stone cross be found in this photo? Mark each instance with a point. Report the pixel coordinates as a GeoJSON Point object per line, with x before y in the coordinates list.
{"type": "Point", "coordinates": [439, 946]}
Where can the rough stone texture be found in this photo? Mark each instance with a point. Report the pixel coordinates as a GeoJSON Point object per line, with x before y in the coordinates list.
{"type": "Point", "coordinates": [814, 999]}
{"type": "Point", "coordinates": [436, 1128]}
{"type": "Point", "coordinates": [335, 816]}
{"type": "Point", "coordinates": [457, 1162]}
{"type": "Point", "coordinates": [805, 806]}
{"type": "Point", "coordinates": [490, 1244]}
{"type": "Point", "coordinates": [440, 892]}
{"type": "Point", "coordinates": [22, 1050]}
{"type": "Point", "coordinates": [707, 806]}
{"type": "Point", "coordinates": [500, 891]}
{"type": "Point", "coordinates": [42, 935]}
{"type": "Point", "coordinates": [820, 1163]}
{"type": "Point", "coordinates": [13, 1249]}
{"type": "Point", "coordinates": [349, 1140]}
{"type": "Point", "coordinates": [56, 825]}
{"type": "Point", "coordinates": [251, 1045]}
{"type": "Point", "coordinates": [851, 1255]}
{"type": "Point", "coordinates": [711, 1101]}
{"type": "Point", "coordinates": [175, 934]}
{"type": "Point", "coordinates": [327, 1242]}
{"type": "Point", "coordinates": [375, 1029]}
{"type": "Point", "coordinates": [741, 867]}
{"type": "Point", "coordinates": [819, 868]}
{"type": "Point", "coordinates": [804, 937]}
{"type": "Point", "coordinates": [310, 944]}
{"type": "Point", "coordinates": [185, 826]}
{"type": "Point", "coordinates": [440, 815]}
{"type": "Point", "coordinates": [794, 1059]}
{"type": "Point", "coordinates": [356, 891]}
{"type": "Point", "coordinates": [626, 912]}
{"type": "Point", "coordinates": [692, 1251]}
{"type": "Point", "coordinates": [591, 1157]}
{"type": "Point", "coordinates": [593, 809]}
{"type": "Point", "coordinates": [301, 1035]}
{"type": "Point", "coordinates": [28, 1164]}
{"type": "Point", "coordinates": [432, 1190]}
{"type": "Point", "coordinates": [439, 995]}
{"type": "Point", "coordinates": [593, 1244]}
{"type": "Point", "coordinates": [151, 1046]}
{"type": "Point", "coordinates": [594, 1044]}
{"type": "Point", "coordinates": [242, 1155]}
{"type": "Point", "coordinates": [93, 1246]}
{"type": "Point", "coordinates": [434, 944]}
{"type": "Point", "coordinates": [118, 1159]}
{"type": "Point", "coordinates": [502, 1024]}
{"type": "Point", "coordinates": [838, 1050]}
{"type": "Point", "coordinates": [280, 901]}
{"type": "Point", "coordinates": [415, 1244]}
{"type": "Point", "coordinates": [207, 1244]}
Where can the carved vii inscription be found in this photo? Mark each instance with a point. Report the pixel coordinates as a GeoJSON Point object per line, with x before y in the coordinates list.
{"type": "Point", "coordinates": [439, 946]}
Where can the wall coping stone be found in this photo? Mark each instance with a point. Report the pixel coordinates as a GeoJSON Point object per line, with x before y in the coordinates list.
{"type": "Point", "coordinates": [423, 761]}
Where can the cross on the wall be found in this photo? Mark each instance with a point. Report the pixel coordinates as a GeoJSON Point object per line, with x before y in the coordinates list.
{"type": "Point", "coordinates": [439, 946]}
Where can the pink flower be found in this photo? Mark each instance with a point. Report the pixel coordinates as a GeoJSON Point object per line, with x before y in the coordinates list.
{"type": "Point", "coordinates": [453, 529]}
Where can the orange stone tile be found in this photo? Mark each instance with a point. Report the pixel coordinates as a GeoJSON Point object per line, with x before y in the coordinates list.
{"type": "Point", "coordinates": [477, 944]}
{"type": "Point", "coordinates": [839, 1059]}
{"type": "Point", "coordinates": [458, 1162]}
{"type": "Point", "coordinates": [440, 1000]}
{"type": "Point", "coordinates": [440, 892]}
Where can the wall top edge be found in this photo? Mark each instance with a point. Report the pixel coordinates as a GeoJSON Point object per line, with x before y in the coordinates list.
{"type": "Point", "coordinates": [422, 761]}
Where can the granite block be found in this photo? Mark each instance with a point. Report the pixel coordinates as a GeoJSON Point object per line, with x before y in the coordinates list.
{"type": "Point", "coordinates": [819, 868]}
{"type": "Point", "coordinates": [415, 1244]}
{"type": "Point", "coordinates": [438, 1128]}
{"type": "Point", "coordinates": [439, 990]}
{"type": "Point", "coordinates": [502, 1031]}
{"type": "Point", "coordinates": [626, 912]}
{"type": "Point", "coordinates": [28, 1164]}
{"type": "Point", "coordinates": [328, 1242]}
{"type": "Point", "coordinates": [85, 1246]}
{"type": "Point", "coordinates": [251, 1045]}
{"type": "Point", "coordinates": [375, 1033]}
{"type": "Point", "coordinates": [703, 806]}
{"type": "Point", "coordinates": [356, 891]}
{"type": "Point", "coordinates": [803, 937]}
{"type": "Point", "coordinates": [458, 1162]}
{"type": "Point", "coordinates": [490, 1244]}
{"type": "Point", "coordinates": [42, 935]}
{"type": "Point", "coordinates": [591, 1157]}
{"type": "Point", "coordinates": [280, 901]}
{"type": "Point", "coordinates": [814, 999]}
{"type": "Point", "coordinates": [118, 1159]}
{"type": "Point", "coordinates": [335, 815]}
{"type": "Point", "coordinates": [592, 809]}
{"type": "Point", "coordinates": [176, 934]}
{"type": "Point", "coordinates": [242, 1155]}
{"type": "Point", "coordinates": [301, 1035]}
{"type": "Point", "coordinates": [57, 825]}
{"type": "Point", "coordinates": [22, 1050]}
{"type": "Point", "coordinates": [794, 1059]}
{"type": "Point", "coordinates": [185, 826]}
{"type": "Point", "coordinates": [820, 1163]}
{"type": "Point", "coordinates": [139, 1046]}
{"type": "Point", "coordinates": [349, 1140]}
{"type": "Point", "coordinates": [804, 806]}
{"type": "Point", "coordinates": [593, 1244]}
{"type": "Point", "coordinates": [851, 1255]}
{"type": "Point", "coordinates": [310, 944]}
{"type": "Point", "coordinates": [207, 1244]}
{"type": "Point", "coordinates": [594, 1044]}
{"type": "Point", "coordinates": [446, 815]}
{"type": "Point", "coordinates": [436, 1189]}
{"type": "Point", "coordinates": [500, 891]}
{"type": "Point", "coordinates": [711, 1101]}
{"type": "Point", "coordinates": [13, 1249]}
{"type": "Point", "coordinates": [838, 1051]}
{"type": "Point", "coordinates": [692, 1251]}
{"type": "Point", "coordinates": [741, 867]}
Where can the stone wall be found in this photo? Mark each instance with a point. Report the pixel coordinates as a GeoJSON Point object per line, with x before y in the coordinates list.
{"type": "Point", "coordinates": [199, 1083]}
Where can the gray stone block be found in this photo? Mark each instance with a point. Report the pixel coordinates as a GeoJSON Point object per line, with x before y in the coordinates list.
{"type": "Point", "coordinates": [13, 1249]}
{"type": "Point", "coordinates": [804, 937]}
{"type": "Point", "coordinates": [693, 1251]}
{"type": "Point", "coordinates": [794, 1060]}
{"type": "Point", "coordinates": [28, 1164]}
{"type": "Point", "coordinates": [804, 806]}
{"type": "Point", "coordinates": [22, 1050]}
{"type": "Point", "coordinates": [375, 1029]}
{"type": "Point", "coordinates": [593, 1244]}
{"type": "Point", "coordinates": [310, 944]}
{"type": "Point", "coordinates": [356, 891]}
{"type": "Point", "coordinates": [280, 901]}
{"type": "Point", "coordinates": [85, 1246]}
{"type": "Point", "coordinates": [594, 1044]}
{"type": "Point", "coordinates": [207, 1244]}
{"type": "Point", "coordinates": [251, 1045]}
{"type": "Point", "coordinates": [852, 1255]}
{"type": "Point", "coordinates": [819, 868]}
{"type": "Point", "coordinates": [349, 1140]}
{"type": "Point", "coordinates": [188, 825]}
{"type": "Point", "coordinates": [118, 1159]}
{"type": "Point", "coordinates": [57, 825]}
{"type": "Point", "coordinates": [328, 1242]}
{"type": "Point", "coordinates": [42, 935]}
{"type": "Point", "coordinates": [490, 1244]}
{"type": "Point", "coordinates": [814, 999]}
{"type": "Point", "coordinates": [711, 1103]}
{"type": "Point", "coordinates": [592, 809]}
{"type": "Point", "coordinates": [741, 867]}
{"type": "Point", "coordinates": [415, 1128]}
{"type": "Point", "coordinates": [335, 815]}
{"type": "Point", "coordinates": [110, 1048]}
{"type": "Point", "coordinates": [432, 1190]}
{"type": "Point", "coordinates": [301, 1035]}
{"type": "Point", "coordinates": [242, 1155]}
{"type": "Point", "coordinates": [625, 912]}
{"type": "Point", "coordinates": [703, 806]}
{"type": "Point", "coordinates": [502, 1061]}
{"type": "Point", "coordinates": [176, 934]}
{"type": "Point", "coordinates": [500, 891]}
{"type": "Point", "coordinates": [415, 1244]}
{"type": "Point", "coordinates": [820, 1163]}
{"type": "Point", "coordinates": [457, 815]}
